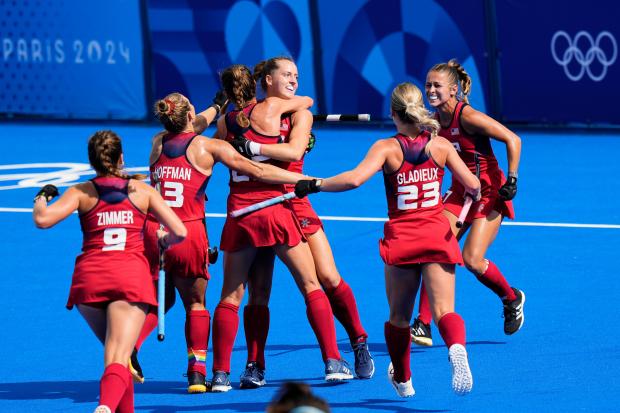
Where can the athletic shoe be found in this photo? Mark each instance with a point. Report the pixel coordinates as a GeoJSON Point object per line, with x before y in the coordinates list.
{"type": "Point", "coordinates": [102, 409]}
{"type": "Point", "coordinates": [421, 333]}
{"type": "Point", "coordinates": [337, 370]}
{"type": "Point", "coordinates": [513, 313]}
{"type": "Point", "coordinates": [135, 369]}
{"type": "Point", "coordinates": [220, 383]}
{"type": "Point", "coordinates": [253, 377]}
{"type": "Point", "coordinates": [196, 382]}
{"type": "Point", "coordinates": [462, 381]}
{"type": "Point", "coordinates": [364, 364]}
{"type": "Point", "coordinates": [403, 389]}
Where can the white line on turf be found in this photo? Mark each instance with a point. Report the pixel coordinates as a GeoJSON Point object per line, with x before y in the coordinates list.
{"type": "Point", "coordinates": [371, 219]}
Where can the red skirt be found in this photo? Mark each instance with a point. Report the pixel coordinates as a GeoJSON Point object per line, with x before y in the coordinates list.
{"type": "Point", "coordinates": [274, 225]}
{"type": "Point", "coordinates": [490, 201]}
{"type": "Point", "coordinates": [187, 259]}
{"type": "Point", "coordinates": [419, 240]}
{"type": "Point", "coordinates": [308, 220]}
{"type": "Point", "coordinates": [101, 277]}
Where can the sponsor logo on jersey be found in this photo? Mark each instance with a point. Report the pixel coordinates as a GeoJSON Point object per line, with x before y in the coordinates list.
{"type": "Point", "coordinates": [454, 131]}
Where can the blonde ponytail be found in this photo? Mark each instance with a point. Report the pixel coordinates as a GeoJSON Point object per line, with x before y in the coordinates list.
{"type": "Point", "coordinates": [408, 105]}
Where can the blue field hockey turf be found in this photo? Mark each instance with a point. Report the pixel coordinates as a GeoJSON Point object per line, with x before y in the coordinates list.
{"type": "Point", "coordinates": [563, 360]}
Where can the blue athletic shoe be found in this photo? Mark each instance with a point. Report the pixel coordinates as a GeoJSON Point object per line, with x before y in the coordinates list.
{"type": "Point", "coordinates": [253, 377]}
{"type": "Point", "coordinates": [337, 370]}
{"type": "Point", "coordinates": [364, 364]}
{"type": "Point", "coordinates": [220, 382]}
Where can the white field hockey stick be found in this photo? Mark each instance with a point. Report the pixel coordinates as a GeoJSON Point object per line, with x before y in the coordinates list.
{"type": "Point", "coordinates": [264, 204]}
{"type": "Point", "coordinates": [361, 117]}
{"type": "Point", "coordinates": [464, 211]}
{"type": "Point", "coordinates": [468, 198]}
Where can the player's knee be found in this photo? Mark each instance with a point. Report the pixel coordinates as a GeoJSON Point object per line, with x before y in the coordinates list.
{"type": "Point", "coordinates": [441, 311]}
{"type": "Point", "coordinates": [474, 263]}
{"type": "Point", "coordinates": [329, 280]}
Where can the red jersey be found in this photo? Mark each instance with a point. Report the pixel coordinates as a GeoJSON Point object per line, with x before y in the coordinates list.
{"type": "Point", "coordinates": [243, 189]}
{"type": "Point", "coordinates": [416, 186]}
{"type": "Point", "coordinates": [181, 185]}
{"type": "Point", "coordinates": [112, 265]}
{"type": "Point", "coordinates": [114, 223]}
{"type": "Point", "coordinates": [417, 231]}
{"type": "Point", "coordinates": [469, 146]}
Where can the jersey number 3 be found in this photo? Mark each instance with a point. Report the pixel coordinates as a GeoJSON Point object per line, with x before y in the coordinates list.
{"type": "Point", "coordinates": [173, 194]}
{"type": "Point", "coordinates": [409, 195]}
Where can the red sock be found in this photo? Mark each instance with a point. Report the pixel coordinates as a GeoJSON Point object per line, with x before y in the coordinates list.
{"type": "Point", "coordinates": [256, 325]}
{"type": "Point", "coordinates": [225, 325]}
{"type": "Point", "coordinates": [126, 403]}
{"type": "Point", "coordinates": [321, 319]}
{"type": "Point", "coordinates": [424, 307]}
{"type": "Point", "coordinates": [494, 280]}
{"type": "Point", "coordinates": [345, 310]}
{"type": "Point", "coordinates": [149, 325]}
{"type": "Point", "coordinates": [398, 342]}
{"type": "Point", "coordinates": [197, 327]}
{"type": "Point", "coordinates": [452, 329]}
{"type": "Point", "coordinates": [113, 385]}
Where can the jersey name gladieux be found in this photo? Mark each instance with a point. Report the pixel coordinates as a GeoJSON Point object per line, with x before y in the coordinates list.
{"type": "Point", "coordinates": [417, 175]}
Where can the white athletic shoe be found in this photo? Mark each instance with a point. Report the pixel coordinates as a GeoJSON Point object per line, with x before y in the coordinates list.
{"type": "Point", "coordinates": [462, 381]}
{"type": "Point", "coordinates": [102, 409]}
{"type": "Point", "coordinates": [403, 389]}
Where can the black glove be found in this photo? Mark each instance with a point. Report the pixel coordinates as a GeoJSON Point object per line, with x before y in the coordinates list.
{"type": "Point", "coordinates": [213, 254]}
{"type": "Point", "coordinates": [49, 191]}
{"type": "Point", "coordinates": [242, 145]}
{"type": "Point", "coordinates": [311, 142]}
{"type": "Point", "coordinates": [220, 100]}
{"type": "Point", "coordinates": [307, 186]}
{"type": "Point", "coordinates": [509, 189]}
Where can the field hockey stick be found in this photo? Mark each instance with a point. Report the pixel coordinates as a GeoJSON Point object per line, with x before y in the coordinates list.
{"type": "Point", "coordinates": [161, 298]}
{"type": "Point", "coordinates": [264, 204]}
{"type": "Point", "coordinates": [360, 117]}
{"type": "Point", "coordinates": [161, 283]}
{"type": "Point", "coordinates": [464, 211]}
{"type": "Point", "coordinates": [468, 198]}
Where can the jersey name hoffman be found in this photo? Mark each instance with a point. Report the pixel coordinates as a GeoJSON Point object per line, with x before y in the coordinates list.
{"type": "Point", "coordinates": [114, 218]}
{"type": "Point", "coordinates": [173, 172]}
{"type": "Point", "coordinates": [417, 175]}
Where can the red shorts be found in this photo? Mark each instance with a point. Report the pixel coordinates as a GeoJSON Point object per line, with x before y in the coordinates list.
{"type": "Point", "coordinates": [309, 221]}
{"type": "Point", "coordinates": [274, 225]}
{"type": "Point", "coordinates": [419, 240]}
{"type": "Point", "coordinates": [101, 277]}
{"type": "Point", "coordinates": [187, 259]}
{"type": "Point", "coordinates": [490, 201]}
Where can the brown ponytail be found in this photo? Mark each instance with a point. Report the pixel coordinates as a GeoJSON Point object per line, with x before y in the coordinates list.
{"type": "Point", "coordinates": [240, 87]}
{"type": "Point", "coordinates": [172, 112]}
{"type": "Point", "coordinates": [104, 152]}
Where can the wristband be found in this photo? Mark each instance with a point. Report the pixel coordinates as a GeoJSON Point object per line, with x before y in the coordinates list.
{"type": "Point", "coordinates": [319, 182]}
{"type": "Point", "coordinates": [216, 107]}
{"type": "Point", "coordinates": [255, 148]}
{"type": "Point", "coordinates": [513, 175]}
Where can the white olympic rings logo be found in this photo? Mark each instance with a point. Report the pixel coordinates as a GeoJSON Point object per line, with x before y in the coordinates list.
{"type": "Point", "coordinates": [594, 52]}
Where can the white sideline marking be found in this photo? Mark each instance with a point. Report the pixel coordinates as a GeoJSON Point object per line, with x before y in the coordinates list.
{"type": "Point", "coordinates": [370, 219]}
